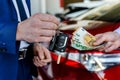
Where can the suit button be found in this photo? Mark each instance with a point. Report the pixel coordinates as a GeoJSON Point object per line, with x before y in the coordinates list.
{"type": "Point", "coordinates": [3, 49]}
{"type": "Point", "coordinates": [3, 44]}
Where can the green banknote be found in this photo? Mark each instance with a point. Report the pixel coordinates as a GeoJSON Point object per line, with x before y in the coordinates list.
{"type": "Point", "coordinates": [83, 40]}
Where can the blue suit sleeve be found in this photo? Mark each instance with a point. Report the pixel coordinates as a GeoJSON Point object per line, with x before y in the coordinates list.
{"type": "Point", "coordinates": [8, 42]}
{"type": "Point", "coordinates": [8, 27]}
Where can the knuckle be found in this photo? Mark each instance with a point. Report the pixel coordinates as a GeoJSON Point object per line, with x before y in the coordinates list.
{"type": "Point", "coordinates": [40, 66]}
{"type": "Point", "coordinates": [53, 33]}
{"type": "Point", "coordinates": [54, 26]}
{"type": "Point", "coordinates": [48, 40]}
{"type": "Point", "coordinates": [36, 40]}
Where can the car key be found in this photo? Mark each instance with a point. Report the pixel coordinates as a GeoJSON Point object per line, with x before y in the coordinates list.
{"type": "Point", "coordinates": [58, 44]}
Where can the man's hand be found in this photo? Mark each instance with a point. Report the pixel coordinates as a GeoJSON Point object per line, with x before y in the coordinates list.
{"type": "Point", "coordinates": [37, 28]}
{"type": "Point", "coordinates": [111, 40]}
{"type": "Point", "coordinates": [41, 55]}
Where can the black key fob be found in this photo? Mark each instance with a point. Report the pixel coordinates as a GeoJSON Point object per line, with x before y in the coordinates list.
{"type": "Point", "coordinates": [59, 42]}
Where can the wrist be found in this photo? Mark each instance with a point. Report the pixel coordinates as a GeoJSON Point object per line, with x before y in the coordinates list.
{"type": "Point", "coordinates": [18, 33]}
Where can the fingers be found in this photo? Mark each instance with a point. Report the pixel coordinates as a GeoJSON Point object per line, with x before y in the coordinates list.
{"type": "Point", "coordinates": [47, 33]}
{"type": "Point", "coordinates": [47, 25]}
{"type": "Point", "coordinates": [111, 39]}
{"type": "Point", "coordinates": [49, 18]}
{"type": "Point", "coordinates": [106, 47]}
{"type": "Point", "coordinates": [43, 55]}
{"type": "Point", "coordinates": [40, 52]}
{"type": "Point", "coordinates": [99, 39]}
{"type": "Point", "coordinates": [104, 37]}
{"type": "Point", "coordinates": [109, 46]}
{"type": "Point", "coordinates": [37, 28]}
{"type": "Point", "coordinates": [38, 62]}
{"type": "Point", "coordinates": [42, 38]}
{"type": "Point", "coordinates": [47, 55]}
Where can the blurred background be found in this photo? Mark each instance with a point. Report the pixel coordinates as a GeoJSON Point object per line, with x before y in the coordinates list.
{"type": "Point", "coordinates": [66, 9]}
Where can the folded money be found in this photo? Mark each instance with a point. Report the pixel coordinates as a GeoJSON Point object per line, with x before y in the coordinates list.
{"type": "Point", "coordinates": [83, 40]}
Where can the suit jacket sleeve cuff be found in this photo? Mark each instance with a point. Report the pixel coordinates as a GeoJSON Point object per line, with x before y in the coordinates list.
{"type": "Point", "coordinates": [8, 42]}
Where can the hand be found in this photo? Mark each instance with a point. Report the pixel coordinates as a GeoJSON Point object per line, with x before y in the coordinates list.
{"type": "Point", "coordinates": [42, 55]}
{"type": "Point", "coordinates": [37, 28]}
{"type": "Point", "coordinates": [112, 40]}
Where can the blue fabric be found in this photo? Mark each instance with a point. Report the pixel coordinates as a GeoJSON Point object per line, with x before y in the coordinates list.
{"type": "Point", "coordinates": [8, 26]}
{"type": "Point", "coordinates": [24, 70]}
{"type": "Point", "coordinates": [8, 46]}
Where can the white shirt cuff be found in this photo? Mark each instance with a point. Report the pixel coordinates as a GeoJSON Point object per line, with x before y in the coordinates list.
{"type": "Point", "coordinates": [23, 45]}
{"type": "Point", "coordinates": [117, 30]}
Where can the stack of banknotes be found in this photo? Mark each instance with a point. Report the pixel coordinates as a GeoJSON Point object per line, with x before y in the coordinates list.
{"type": "Point", "coordinates": [83, 40]}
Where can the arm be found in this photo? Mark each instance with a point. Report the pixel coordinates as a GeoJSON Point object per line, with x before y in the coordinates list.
{"type": "Point", "coordinates": [37, 28]}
